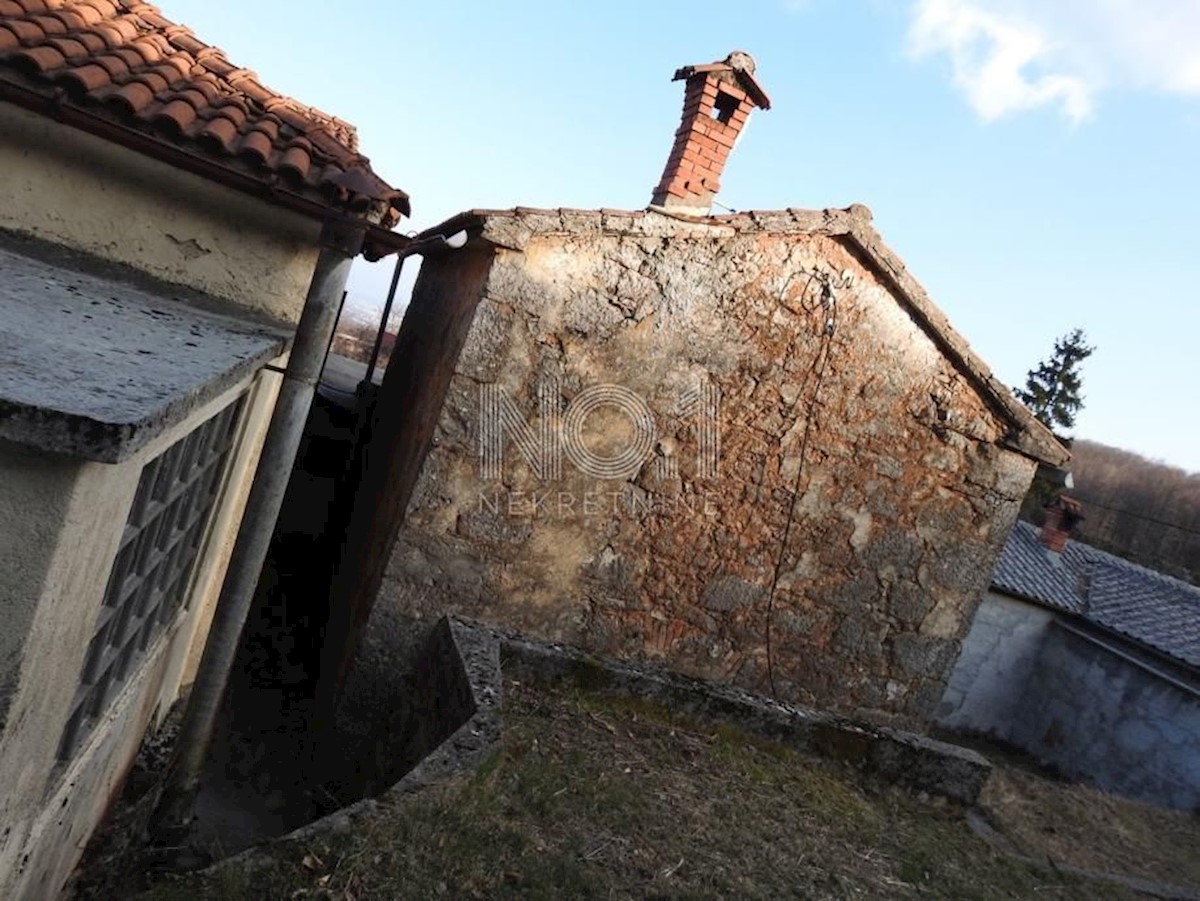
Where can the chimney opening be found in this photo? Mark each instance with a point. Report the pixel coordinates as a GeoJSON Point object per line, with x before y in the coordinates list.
{"type": "Point", "coordinates": [724, 107]}
{"type": "Point", "coordinates": [723, 92]}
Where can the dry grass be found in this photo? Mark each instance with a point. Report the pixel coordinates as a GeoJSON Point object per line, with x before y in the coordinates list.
{"type": "Point", "coordinates": [594, 798]}
{"type": "Point", "coordinates": [1086, 828]}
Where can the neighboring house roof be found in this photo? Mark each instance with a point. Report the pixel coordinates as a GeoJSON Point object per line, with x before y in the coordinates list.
{"type": "Point", "coordinates": [1029, 570]}
{"type": "Point", "coordinates": [121, 70]}
{"type": "Point", "coordinates": [1152, 608]}
{"type": "Point", "coordinates": [513, 228]}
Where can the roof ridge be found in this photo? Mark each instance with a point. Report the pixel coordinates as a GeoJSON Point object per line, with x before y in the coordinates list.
{"type": "Point", "coordinates": [1025, 434]}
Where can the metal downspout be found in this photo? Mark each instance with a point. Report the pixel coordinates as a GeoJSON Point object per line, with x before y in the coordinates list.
{"type": "Point", "coordinates": [341, 241]}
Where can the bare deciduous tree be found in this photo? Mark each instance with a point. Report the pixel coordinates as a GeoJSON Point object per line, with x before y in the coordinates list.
{"type": "Point", "coordinates": [1145, 511]}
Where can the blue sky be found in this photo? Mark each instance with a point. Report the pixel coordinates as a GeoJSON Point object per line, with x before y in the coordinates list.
{"type": "Point", "coordinates": [1034, 162]}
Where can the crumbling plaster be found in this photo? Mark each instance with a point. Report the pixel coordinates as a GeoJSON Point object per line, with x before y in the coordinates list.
{"type": "Point", "coordinates": [63, 185]}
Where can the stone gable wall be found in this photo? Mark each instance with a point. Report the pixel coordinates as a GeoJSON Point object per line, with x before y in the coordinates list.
{"type": "Point", "coordinates": [905, 494]}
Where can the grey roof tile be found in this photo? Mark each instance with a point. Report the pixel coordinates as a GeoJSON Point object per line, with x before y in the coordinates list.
{"type": "Point", "coordinates": [1028, 570]}
{"type": "Point", "coordinates": [1154, 609]}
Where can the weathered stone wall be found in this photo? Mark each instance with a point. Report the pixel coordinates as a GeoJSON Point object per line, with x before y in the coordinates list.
{"type": "Point", "coordinates": [860, 472]}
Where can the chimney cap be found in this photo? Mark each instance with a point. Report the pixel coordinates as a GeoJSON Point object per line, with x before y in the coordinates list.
{"type": "Point", "coordinates": [741, 65]}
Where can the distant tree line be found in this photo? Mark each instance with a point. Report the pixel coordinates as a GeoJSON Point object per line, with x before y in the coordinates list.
{"type": "Point", "coordinates": [355, 336]}
{"type": "Point", "coordinates": [1136, 508]}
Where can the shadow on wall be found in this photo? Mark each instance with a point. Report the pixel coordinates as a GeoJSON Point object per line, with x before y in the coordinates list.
{"type": "Point", "coordinates": [1087, 706]}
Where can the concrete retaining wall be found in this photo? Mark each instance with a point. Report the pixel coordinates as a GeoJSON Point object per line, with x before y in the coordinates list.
{"type": "Point", "coordinates": [897, 757]}
{"type": "Point", "coordinates": [458, 673]}
{"type": "Point", "coordinates": [457, 720]}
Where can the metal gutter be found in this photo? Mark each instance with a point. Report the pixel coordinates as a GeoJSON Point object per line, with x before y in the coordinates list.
{"type": "Point", "coordinates": [341, 241]}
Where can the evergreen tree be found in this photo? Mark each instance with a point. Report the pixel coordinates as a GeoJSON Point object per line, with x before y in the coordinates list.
{"type": "Point", "coordinates": [1052, 390]}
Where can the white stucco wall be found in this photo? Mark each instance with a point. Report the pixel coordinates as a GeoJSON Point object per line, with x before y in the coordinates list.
{"type": "Point", "coordinates": [987, 685]}
{"type": "Point", "coordinates": [71, 513]}
{"type": "Point", "coordinates": [63, 517]}
{"type": "Point", "coordinates": [35, 501]}
{"type": "Point", "coordinates": [1090, 706]}
{"type": "Point", "coordinates": [1108, 715]}
{"type": "Point", "coordinates": [66, 186]}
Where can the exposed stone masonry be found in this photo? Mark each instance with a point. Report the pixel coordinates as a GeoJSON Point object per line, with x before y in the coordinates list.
{"type": "Point", "coordinates": [851, 419]}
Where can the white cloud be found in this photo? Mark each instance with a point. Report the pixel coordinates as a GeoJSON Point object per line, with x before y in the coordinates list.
{"type": "Point", "coordinates": [1013, 55]}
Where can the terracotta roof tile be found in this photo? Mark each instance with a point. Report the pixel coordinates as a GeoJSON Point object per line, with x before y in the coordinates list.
{"type": "Point", "coordinates": [126, 66]}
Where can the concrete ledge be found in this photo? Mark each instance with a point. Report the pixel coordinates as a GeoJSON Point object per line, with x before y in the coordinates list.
{"type": "Point", "coordinates": [98, 365]}
{"type": "Point", "coordinates": [915, 762]}
{"type": "Point", "coordinates": [462, 669]}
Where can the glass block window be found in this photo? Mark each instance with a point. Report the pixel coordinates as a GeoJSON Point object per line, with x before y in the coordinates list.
{"type": "Point", "coordinates": [150, 578]}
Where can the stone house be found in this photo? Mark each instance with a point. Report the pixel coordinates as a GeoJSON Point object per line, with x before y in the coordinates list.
{"type": "Point", "coordinates": [746, 446]}
{"type": "Point", "coordinates": [1087, 662]}
{"type": "Point", "coordinates": [160, 220]}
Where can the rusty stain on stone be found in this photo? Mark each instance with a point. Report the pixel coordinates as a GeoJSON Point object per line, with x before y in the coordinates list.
{"type": "Point", "coordinates": [910, 481]}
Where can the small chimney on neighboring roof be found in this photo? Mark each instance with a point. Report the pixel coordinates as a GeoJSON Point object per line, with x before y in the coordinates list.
{"type": "Point", "coordinates": [1063, 514]}
{"type": "Point", "coordinates": [717, 100]}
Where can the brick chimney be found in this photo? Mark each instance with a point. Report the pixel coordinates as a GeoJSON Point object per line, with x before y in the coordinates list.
{"type": "Point", "coordinates": [717, 100]}
{"type": "Point", "coordinates": [1063, 514]}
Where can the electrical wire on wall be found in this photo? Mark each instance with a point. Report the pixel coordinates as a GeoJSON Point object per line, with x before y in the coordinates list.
{"type": "Point", "coordinates": [816, 374]}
